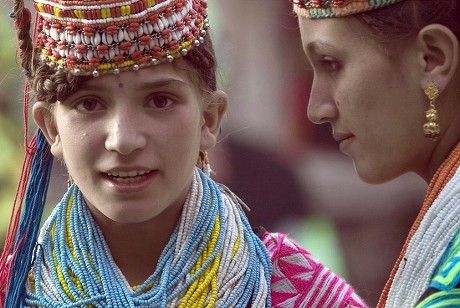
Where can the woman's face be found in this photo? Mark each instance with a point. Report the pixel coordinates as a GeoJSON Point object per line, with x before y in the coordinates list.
{"type": "Point", "coordinates": [131, 141]}
{"type": "Point", "coordinates": [371, 97]}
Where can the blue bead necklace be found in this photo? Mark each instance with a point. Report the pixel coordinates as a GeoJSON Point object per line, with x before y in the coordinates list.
{"type": "Point", "coordinates": [213, 258]}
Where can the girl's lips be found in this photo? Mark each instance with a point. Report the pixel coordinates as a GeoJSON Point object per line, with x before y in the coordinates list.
{"type": "Point", "coordinates": [129, 181]}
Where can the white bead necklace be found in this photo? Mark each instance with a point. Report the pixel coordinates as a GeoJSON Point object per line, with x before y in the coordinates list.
{"type": "Point", "coordinates": [439, 225]}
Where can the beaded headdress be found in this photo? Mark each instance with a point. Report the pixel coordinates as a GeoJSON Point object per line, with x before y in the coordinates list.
{"type": "Point", "coordinates": [336, 8]}
{"type": "Point", "coordinates": [90, 37]}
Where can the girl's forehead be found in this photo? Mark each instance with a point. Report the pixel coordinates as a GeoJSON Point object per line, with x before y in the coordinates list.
{"type": "Point", "coordinates": [162, 74]}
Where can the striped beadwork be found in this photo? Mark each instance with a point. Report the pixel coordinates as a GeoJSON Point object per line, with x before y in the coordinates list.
{"type": "Point", "coordinates": [213, 259]}
{"type": "Point", "coordinates": [94, 37]}
{"type": "Point", "coordinates": [336, 8]}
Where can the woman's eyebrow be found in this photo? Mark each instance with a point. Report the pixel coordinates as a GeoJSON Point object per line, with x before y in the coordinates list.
{"type": "Point", "coordinates": [316, 46]}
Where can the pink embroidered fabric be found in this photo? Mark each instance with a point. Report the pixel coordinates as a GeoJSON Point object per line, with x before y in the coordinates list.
{"type": "Point", "coordinates": [299, 280]}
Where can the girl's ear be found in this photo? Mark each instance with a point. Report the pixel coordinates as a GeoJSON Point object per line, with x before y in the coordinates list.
{"type": "Point", "coordinates": [213, 114]}
{"type": "Point", "coordinates": [438, 54]}
{"type": "Point", "coordinates": [43, 116]}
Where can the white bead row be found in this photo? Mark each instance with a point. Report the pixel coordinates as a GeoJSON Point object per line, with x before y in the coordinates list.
{"type": "Point", "coordinates": [438, 227]}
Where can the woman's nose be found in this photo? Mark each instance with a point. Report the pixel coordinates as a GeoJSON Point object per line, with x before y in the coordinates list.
{"type": "Point", "coordinates": [125, 133]}
{"type": "Point", "coordinates": [321, 105]}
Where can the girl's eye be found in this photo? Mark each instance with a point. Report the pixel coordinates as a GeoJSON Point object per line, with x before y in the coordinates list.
{"type": "Point", "coordinates": [160, 102]}
{"type": "Point", "coordinates": [89, 105]}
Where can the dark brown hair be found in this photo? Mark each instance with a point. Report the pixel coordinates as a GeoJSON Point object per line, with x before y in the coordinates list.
{"type": "Point", "coordinates": [50, 85]}
{"type": "Point", "coordinates": [408, 17]}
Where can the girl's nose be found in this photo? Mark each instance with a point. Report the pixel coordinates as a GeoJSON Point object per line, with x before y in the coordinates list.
{"type": "Point", "coordinates": [125, 134]}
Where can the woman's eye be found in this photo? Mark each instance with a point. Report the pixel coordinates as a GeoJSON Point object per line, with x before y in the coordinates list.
{"type": "Point", "coordinates": [88, 105]}
{"type": "Point", "coordinates": [330, 64]}
{"type": "Point", "coordinates": [160, 102]}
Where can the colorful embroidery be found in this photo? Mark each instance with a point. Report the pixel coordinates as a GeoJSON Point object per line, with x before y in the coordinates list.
{"type": "Point", "coordinates": [298, 280]}
{"type": "Point", "coordinates": [336, 8]}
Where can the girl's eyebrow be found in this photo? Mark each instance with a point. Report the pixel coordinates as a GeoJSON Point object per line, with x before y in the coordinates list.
{"type": "Point", "coordinates": [163, 83]}
{"type": "Point", "coordinates": [160, 83]}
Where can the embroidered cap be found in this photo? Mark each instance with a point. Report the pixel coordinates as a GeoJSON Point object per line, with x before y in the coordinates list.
{"type": "Point", "coordinates": [92, 37]}
{"type": "Point", "coordinates": [336, 8]}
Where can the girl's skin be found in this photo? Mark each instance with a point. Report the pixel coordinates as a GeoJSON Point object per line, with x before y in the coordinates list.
{"type": "Point", "coordinates": [372, 94]}
{"type": "Point", "coordinates": [130, 142]}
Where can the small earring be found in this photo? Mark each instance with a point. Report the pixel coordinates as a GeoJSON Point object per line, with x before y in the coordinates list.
{"type": "Point", "coordinates": [431, 128]}
{"type": "Point", "coordinates": [203, 163]}
{"type": "Point", "coordinates": [69, 180]}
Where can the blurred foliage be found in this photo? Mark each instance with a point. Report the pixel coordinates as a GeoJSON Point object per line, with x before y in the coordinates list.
{"type": "Point", "coordinates": [11, 131]}
{"type": "Point", "coordinates": [318, 235]}
{"type": "Point", "coordinates": [10, 162]}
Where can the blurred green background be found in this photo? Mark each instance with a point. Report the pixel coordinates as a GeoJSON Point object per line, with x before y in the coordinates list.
{"type": "Point", "coordinates": [11, 131]}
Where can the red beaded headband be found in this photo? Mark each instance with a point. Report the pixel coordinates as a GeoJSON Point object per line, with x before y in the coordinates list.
{"type": "Point", "coordinates": [107, 36]}
{"type": "Point", "coordinates": [336, 8]}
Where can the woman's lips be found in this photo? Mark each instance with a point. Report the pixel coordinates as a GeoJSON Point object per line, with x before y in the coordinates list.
{"type": "Point", "coordinates": [344, 143]}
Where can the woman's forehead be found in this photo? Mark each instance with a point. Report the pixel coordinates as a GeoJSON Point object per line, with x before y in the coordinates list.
{"type": "Point", "coordinates": [335, 34]}
{"type": "Point", "coordinates": [325, 32]}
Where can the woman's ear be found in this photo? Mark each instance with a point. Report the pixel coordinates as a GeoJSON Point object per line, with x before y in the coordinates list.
{"type": "Point", "coordinates": [438, 52]}
{"type": "Point", "coordinates": [213, 114]}
{"type": "Point", "coordinates": [43, 116]}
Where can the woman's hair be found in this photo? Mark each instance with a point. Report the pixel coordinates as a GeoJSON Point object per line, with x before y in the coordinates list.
{"type": "Point", "coordinates": [406, 18]}
{"type": "Point", "coordinates": [50, 85]}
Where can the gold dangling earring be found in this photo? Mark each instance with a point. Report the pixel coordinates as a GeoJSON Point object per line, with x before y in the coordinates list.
{"type": "Point", "coordinates": [431, 128]}
{"type": "Point", "coordinates": [203, 163]}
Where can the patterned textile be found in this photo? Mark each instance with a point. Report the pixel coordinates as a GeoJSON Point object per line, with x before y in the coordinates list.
{"type": "Point", "coordinates": [337, 8]}
{"type": "Point", "coordinates": [446, 279]}
{"type": "Point", "coordinates": [299, 280]}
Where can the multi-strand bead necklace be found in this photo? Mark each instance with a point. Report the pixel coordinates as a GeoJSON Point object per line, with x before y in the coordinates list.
{"type": "Point", "coordinates": [437, 223]}
{"type": "Point", "coordinates": [213, 259]}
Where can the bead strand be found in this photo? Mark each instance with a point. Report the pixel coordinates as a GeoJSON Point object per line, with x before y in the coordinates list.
{"type": "Point", "coordinates": [439, 198]}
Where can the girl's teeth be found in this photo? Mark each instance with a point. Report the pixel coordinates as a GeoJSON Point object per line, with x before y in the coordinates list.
{"type": "Point", "coordinates": [127, 174]}
{"type": "Point", "coordinates": [124, 180]}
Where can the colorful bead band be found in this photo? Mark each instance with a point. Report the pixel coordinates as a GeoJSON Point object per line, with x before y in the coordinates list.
{"type": "Point", "coordinates": [100, 36]}
{"type": "Point", "coordinates": [336, 8]}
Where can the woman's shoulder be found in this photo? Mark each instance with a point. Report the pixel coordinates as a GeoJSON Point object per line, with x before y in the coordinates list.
{"type": "Point", "coordinates": [299, 280]}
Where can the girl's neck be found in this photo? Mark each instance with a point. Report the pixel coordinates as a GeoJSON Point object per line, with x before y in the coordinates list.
{"type": "Point", "coordinates": [136, 248]}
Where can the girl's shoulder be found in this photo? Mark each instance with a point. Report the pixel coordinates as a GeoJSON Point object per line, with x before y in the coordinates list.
{"type": "Point", "coordinates": [299, 280]}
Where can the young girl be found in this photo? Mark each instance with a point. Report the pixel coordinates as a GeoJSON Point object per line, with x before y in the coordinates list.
{"type": "Point", "coordinates": [127, 99]}
{"type": "Point", "coordinates": [387, 79]}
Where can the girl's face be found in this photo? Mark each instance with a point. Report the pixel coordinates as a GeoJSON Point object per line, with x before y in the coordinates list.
{"type": "Point", "coordinates": [131, 141]}
{"type": "Point", "coordinates": [371, 97]}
